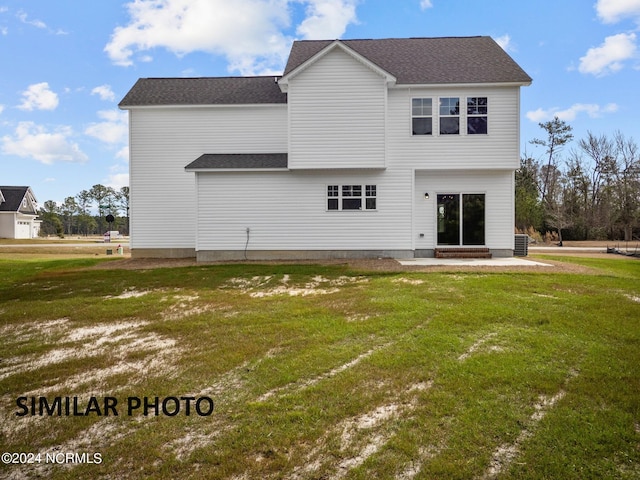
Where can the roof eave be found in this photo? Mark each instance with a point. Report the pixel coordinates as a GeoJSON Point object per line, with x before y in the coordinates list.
{"type": "Point", "coordinates": [462, 85]}
{"type": "Point", "coordinates": [222, 170]}
{"type": "Point", "coordinates": [203, 105]}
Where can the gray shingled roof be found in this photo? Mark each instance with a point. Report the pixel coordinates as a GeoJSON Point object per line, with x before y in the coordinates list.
{"type": "Point", "coordinates": [204, 91]}
{"type": "Point", "coordinates": [239, 161]}
{"type": "Point", "coordinates": [411, 60]}
{"type": "Point", "coordinates": [13, 197]}
{"type": "Point", "coordinates": [427, 60]}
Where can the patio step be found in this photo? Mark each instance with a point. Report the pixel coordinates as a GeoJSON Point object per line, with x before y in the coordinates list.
{"type": "Point", "coordinates": [462, 253]}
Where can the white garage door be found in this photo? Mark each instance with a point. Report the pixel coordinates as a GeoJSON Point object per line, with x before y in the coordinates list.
{"type": "Point", "coordinates": [23, 230]}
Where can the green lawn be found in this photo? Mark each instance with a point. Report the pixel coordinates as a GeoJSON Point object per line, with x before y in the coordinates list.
{"type": "Point", "coordinates": [322, 372]}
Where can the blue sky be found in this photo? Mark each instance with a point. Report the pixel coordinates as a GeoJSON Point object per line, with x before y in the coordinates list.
{"type": "Point", "coordinates": [65, 65]}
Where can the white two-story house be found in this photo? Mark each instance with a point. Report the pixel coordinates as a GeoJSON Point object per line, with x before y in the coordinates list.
{"type": "Point", "coordinates": [362, 148]}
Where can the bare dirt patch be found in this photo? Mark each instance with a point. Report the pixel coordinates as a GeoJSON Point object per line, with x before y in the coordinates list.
{"type": "Point", "coordinates": [505, 454]}
{"type": "Point", "coordinates": [477, 345]}
{"type": "Point", "coordinates": [382, 264]}
{"type": "Point", "coordinates": [269, 285]}
{"type": "Point", "coordinates": [312, 381]}
{"type": "Point", "coordinates": [359, 437]}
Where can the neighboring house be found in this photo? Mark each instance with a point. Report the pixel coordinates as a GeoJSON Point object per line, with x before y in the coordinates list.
{"type": "Point", "coordinates": [18, 213]}
{"type": "Point", "coordinates": [362, 148]}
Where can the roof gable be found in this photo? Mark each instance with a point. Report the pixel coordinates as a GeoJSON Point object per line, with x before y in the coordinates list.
{"type": "Point", "coordinates": [423, 61]}
{"type": "Point", "coordinates": [326, 48]}
{"type": "Point", "coordinates": [17, 199]}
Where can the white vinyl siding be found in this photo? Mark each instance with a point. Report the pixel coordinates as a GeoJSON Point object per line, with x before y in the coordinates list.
{"type": "Point", "coordinates": [498, 149]}
{"type": "Point", "coordinates": [164, 140]}
{"type": "Point", "coordinates": [341, 127]}
{"type": "Point", "coordinates": [287, 211]}
{"type": "Point", "coordinates": [499, 210]}
{"type": "Point", "coordinates": [337, 115]}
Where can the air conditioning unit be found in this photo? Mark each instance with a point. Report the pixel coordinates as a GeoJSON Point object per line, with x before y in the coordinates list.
{"type": "Point", "coordinates": [521, 246]}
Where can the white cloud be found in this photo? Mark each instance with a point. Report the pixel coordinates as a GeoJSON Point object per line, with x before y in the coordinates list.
{"type": "Point", "coordinates": [424, 4]}
{"type": "Point", "coordinates": [505, 42]}
{"type": "Point", "coordinates": [612, 11]}
{"type": "Point", "coordinates": [570, 114]}
{"type": "Point", "coordinates": [123, 154]}
{"type": "Point", "coordinates": [113, 130]}
{"type": "Point", "coordinates": [609, 57]}
{"type": "Point", "coordinates": [39, 97]}
{"type": "Point", "coordinates": [327, 19]}
{"type": "Point", "coordinates": [24, 18]}
{"type": "Point", "coordinates": [249, 33]}
{"type": "Point", "coordinates": [118, 180]}
{"type": "Point", "coordinates": [34, 141]}
{"type": "Point", "coordinates": [119, 173]}
{"type": "Point", "coordinates": [104, 92]}
{"type": "Point", "coordinates": [242, 30]}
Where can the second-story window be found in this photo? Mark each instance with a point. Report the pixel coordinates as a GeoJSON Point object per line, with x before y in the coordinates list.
{"type": "Point", "coordinates": [449, 116]}
{"type": "Point", "coordinates": [421, 116]}
{"type": "Point", "coordinates": [477, 110]}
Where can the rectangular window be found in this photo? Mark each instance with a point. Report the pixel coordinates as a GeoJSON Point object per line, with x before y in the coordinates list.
{"type": "Point", "coordinates": [449, 116]}
{"type": "Point", "coordinates": [421, 116]}
{"type": "Point", "coordinates": [351, 197]}
{"type": "Point", "coordinates": [477, 110]}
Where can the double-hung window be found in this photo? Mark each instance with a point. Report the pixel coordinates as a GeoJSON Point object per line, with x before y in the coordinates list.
{"type": "Point", "coordinates": [351, 197]}
{"type": "Point", "coordinates": [422, 116]}
{"type": "Point", "coordinates": [449, 116]}
{"type": "Point", "coordinates": [477, 111]}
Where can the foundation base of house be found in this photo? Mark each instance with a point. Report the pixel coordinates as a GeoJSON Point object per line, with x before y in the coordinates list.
{"type": "Point", "coordinates": [235, 255]}
{"type": "Point", "coordinates": [163, 252]}
{"type": "Point", "coordinates": [240, 255]}
{"type": "Point", "coordinates": [227, 255]}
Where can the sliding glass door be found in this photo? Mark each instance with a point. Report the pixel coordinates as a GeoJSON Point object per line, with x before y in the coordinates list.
{"type": "Point", "coordinates": [461, 217]}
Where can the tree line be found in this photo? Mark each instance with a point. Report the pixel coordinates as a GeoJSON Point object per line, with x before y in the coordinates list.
{"type": "Point", "coordinates": [591, 192]}
{"type": "Point", "coordinates": [90, 212]}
